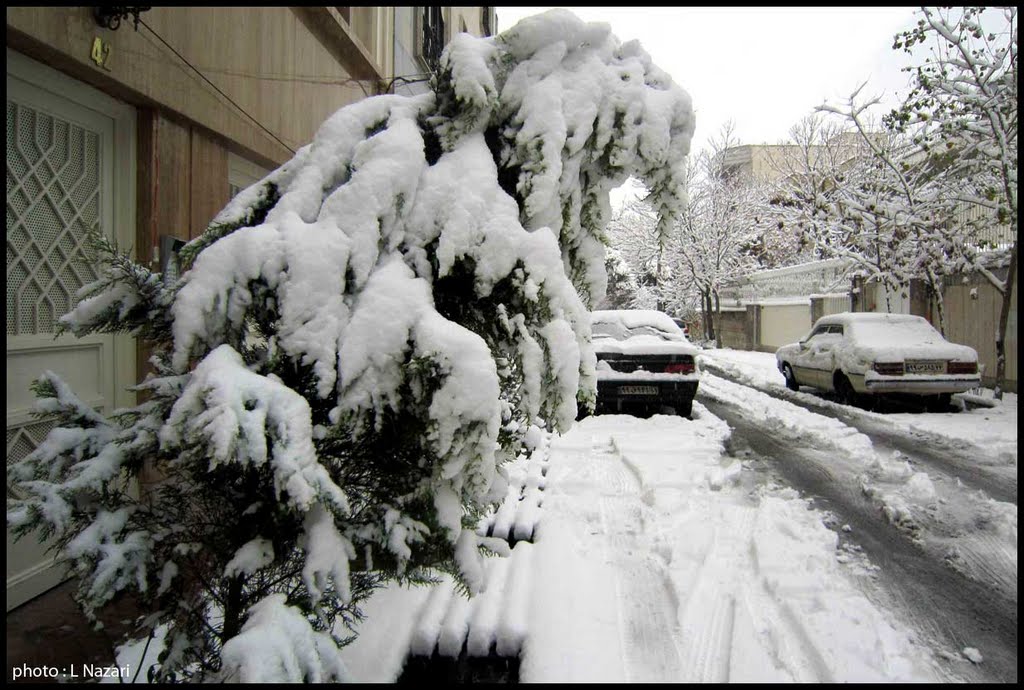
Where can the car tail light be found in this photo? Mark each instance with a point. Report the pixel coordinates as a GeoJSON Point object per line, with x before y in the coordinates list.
{"type": "Point", "coordinates": [961, 367]}
{"type": "Point", "coordinates": [889, 368]}
{"type": "Point", "coordinates": [684, 367]}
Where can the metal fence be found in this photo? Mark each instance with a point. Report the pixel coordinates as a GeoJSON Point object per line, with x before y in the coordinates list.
{"type": "Point", "coordinates": [815, 277]}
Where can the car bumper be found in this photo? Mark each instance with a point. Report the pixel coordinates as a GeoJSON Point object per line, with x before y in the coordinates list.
{"type": "Point", "coordinates": [617, 393]}
{"type": "Point", "coordinates": [923, 386]}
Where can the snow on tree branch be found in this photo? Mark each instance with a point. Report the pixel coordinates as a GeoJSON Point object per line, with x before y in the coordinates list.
{"type": "Point", "coordinates": [359, 343]}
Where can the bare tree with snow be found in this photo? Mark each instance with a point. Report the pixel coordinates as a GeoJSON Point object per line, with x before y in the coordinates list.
{"type": "Point", "coordinates": [359, 344]}
{"type": "Point", "coordinates": [808, 173]}
{"type": "Point", "coordinates": [962, 112]}
{"type": "Point", "coordinates": [623, 290]}
{"type": "Point", "coordinates": [636, 235]}
{"type": "Point", "coordinates": [717, 228]}
{"type": "Point", "coordinates": [888, 213]}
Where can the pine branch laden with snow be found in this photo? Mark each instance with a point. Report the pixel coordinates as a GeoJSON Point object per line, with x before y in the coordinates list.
{"type": "Point", "coordinates": [360, 342]}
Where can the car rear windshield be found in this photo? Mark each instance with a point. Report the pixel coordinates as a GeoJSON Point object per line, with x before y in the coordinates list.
{"type": "Point", "coordinates": [619, 331]}
{"type": "Point", "coordinates": [895, 332]}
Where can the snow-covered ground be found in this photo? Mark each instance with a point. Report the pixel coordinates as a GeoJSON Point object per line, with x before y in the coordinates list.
{"type": "Point", "coordinates": [652, 561]}
{"type": "Point", "coordinates": [644, 552]}
{"type": "Point", "coordinates": [972, 531]}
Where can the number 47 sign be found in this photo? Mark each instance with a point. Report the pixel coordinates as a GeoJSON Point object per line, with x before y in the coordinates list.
{"type": "Point", "coordinates": [101, 53]}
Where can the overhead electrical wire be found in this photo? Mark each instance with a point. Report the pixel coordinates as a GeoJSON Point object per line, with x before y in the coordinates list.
{"type": "Point", "coordinates": [216, 88]}
{"type": "Point", "coordinates": [403, 79]}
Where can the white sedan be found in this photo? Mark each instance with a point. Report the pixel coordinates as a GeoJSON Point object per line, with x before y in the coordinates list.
{"type": "Point", "coordinates": [862, 355]}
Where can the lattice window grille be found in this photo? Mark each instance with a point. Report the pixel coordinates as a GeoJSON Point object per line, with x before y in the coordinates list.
{"type": "Point", "coordinates": [21, 441]}
{"type": "Point", "coordinates": [54, 189]}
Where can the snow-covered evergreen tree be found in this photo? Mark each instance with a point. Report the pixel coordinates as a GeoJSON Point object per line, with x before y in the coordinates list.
{"type": "Point", "coordinates": [623, 288]}
{"type": "Point", "coordinates": [360, 341]}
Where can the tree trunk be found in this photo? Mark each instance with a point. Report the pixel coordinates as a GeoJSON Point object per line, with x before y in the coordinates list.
{"type": "Point", "coordinates": [705, 314]}
{"type": "Point", "coordinates": [232, 609]}
{"type": "Point", "coordinates": [1004, 316]}
{"type": "Point", "coordinates": [717, 314]}
{"type": "Point", "coordinates": [712, 336]}
{"type": "Point", "coordinates": [935, 286]}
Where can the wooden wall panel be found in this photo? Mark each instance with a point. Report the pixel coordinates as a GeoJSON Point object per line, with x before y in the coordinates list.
{"type": "Point", "coordinates": [208, 181]}
{"type": "Point", "coordinates": [172, 169]}
{"type": "Point", "coordinates": [972, 321]}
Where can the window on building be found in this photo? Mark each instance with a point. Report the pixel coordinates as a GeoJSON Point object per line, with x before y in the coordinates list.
{"type": "Point", "coordinates": [489, 20]}
{"type": "Point", "coordinates": [370, 26]}
{"type": "Point", "coordinates": [432, 33]}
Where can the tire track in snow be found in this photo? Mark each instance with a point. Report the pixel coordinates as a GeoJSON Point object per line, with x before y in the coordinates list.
{"type": "Point", "coordinates": [645, 599]}
{"type": "Point", "coordinates": [986, 558]}
{"type": "Point", "coordinates": [956, 459]}
{"type": "Point", "coordinates": [950, 610]}
{"type": "Point", "coordinates": [730, 616]}
{"type": "Point", "coordinates": [936, 525]}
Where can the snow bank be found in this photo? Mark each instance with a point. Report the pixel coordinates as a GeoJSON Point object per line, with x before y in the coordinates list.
{"type": "Point", "coordinates": [791, 421]}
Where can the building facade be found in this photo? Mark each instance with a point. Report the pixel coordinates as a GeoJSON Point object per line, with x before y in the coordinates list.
{"type": "Point", "coordinates": [142, 127]}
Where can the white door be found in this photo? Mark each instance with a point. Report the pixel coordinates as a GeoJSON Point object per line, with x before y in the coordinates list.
{"type": "Point", "coordinates": [820, 357]}
{"type": "Point", "coordinates": [70, 169]}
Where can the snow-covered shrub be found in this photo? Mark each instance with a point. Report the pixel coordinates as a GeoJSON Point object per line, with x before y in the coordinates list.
{"type": "Point", "coordinates": [360, 341]}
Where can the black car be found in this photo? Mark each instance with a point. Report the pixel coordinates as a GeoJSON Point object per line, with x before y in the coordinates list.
{"type": "Point", "coordinates": [644, 362]}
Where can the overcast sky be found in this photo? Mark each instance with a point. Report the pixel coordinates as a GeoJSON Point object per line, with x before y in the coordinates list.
{"type": "Point", "coordinates": [762, 67]}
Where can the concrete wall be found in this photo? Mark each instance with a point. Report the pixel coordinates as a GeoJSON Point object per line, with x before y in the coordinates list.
{"type": "Point", "coordinates": [732, 330]}
{"type": "Point", "coordinates": [782, 324]}
{"type": "Point", "coordinates": [824, 305]}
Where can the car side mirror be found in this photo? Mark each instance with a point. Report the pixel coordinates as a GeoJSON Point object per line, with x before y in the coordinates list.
{"type": "Point", "coordinates": [802, 344]}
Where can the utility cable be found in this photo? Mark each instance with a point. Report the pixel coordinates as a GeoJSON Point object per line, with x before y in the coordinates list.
{"type": "Point", "coordinates": [404, 79]}
{"type": "Point", "coordinates": [216, 88]}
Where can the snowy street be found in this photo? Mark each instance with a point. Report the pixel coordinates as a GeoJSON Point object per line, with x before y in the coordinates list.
{"type": "Point", "coordinates": [791, 548]}
{"type": "Point", "coordinates": [757, 541]}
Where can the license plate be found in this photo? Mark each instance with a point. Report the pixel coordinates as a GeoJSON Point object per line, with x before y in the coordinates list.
{"type": "Point", "coordinates": [638, 390]}
{"type": "Point", "coordinates": [926, 367]}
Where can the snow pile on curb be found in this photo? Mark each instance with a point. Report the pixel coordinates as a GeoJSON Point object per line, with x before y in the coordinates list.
{"type": "Point", "coordinates": [791, 421]}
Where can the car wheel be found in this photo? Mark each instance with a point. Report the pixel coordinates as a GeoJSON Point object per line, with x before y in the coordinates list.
{"type": "Point", "coordinates": [684, 409]}
{"type": "Point", "coordinates": [791, 383]}
{"type": "Point", "coordinates": [844, 389]}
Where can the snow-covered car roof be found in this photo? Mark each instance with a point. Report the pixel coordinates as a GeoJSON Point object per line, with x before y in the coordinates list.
{"type": "Point", "coordinates": [898, 335]}
{"type": "Point", "coordinates": [869, 317]}
{"type": "Point", "coordinates": [634, 318]}
{"type": "Point", "coordinates": [662, 335]}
